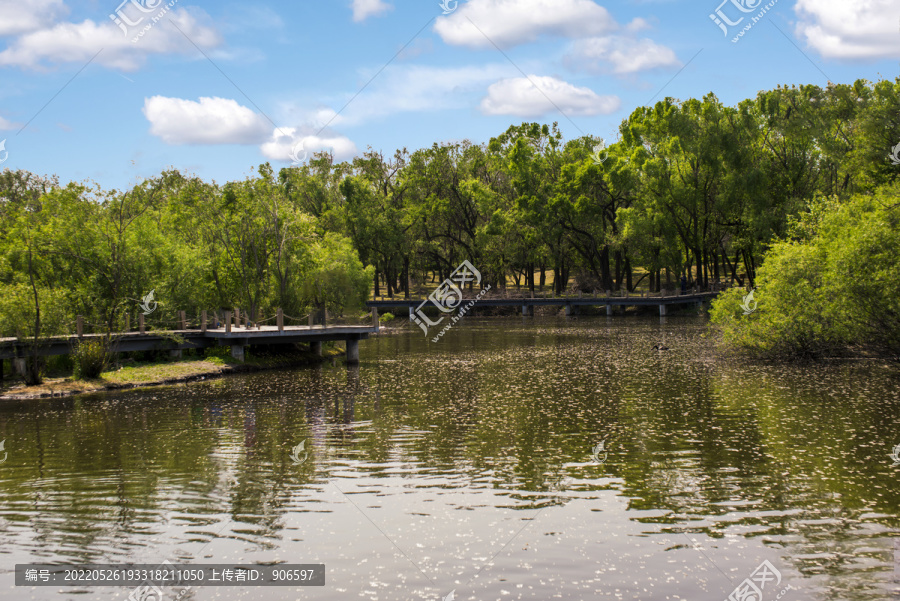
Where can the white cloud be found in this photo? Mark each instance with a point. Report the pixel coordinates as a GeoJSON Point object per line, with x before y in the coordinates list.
{"type": "Point", "coordinates": [363, 9]}
{"type": "Point", "coordinates": [624, 55]}
{"type": "Point", "coordinates": [416, 88]}
{"type": "Point", "coordinates": [512, 22]}
{"type": "Point", "coordinates": [209, 121]}
{"type": "Point", "coordinates": [18, 17]}
{"type": "Point", "coordinates": [638, 24]}
{"type": "Point", "coordinates": [519, 97]}
{"type": "Point", "coordinates": [282, 143]}
{"type": "Point", "coordinates": [850, 30]}
{"type": "Point", "coordinates": [7, 124]}
{"type": "Point", "coordinates": [400, 88]}
{"type": "Point", "coordinates": [78, 42]}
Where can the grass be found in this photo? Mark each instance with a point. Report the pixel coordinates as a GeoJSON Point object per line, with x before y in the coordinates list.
{"type": "Point", "coordinates": [134, 374]}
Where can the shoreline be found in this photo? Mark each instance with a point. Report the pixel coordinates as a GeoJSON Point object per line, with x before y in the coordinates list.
{"type": "Point", "coordinates": [192, 369]}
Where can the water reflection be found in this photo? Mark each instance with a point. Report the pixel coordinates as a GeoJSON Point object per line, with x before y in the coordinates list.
{"type": "Point", "coordinates": [467, 464]}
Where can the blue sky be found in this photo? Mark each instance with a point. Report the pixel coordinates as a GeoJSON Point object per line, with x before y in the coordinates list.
{"type": "Point", "coordinates": [216, 88]}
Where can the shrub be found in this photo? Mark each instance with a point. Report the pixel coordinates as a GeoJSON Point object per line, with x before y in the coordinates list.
{"type": "Point", "coordinates": [386, 317]}
{"type": "Point", "coordinates": [830, 287]}
{"type": "Point", "coordinates": [90, 358]}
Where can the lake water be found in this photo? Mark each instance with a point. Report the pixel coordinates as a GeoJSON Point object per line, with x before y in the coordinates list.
{"type": "Point", "coordinates": [536, 458]}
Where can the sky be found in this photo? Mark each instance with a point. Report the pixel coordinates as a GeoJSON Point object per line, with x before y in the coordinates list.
{"type": "Point", "coordinates": [110, 93]}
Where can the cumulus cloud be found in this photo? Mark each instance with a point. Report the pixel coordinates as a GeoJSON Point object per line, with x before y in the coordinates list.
{"type": "Point", "coordinates": [513, 22]}
{"type": "Point", "coordinates": [620, 54]}
{"type": "Point", "coordinates": [18, 17]}
{"type": "Point", "coordinates": [850, 30]}
{"type": "Point", "coordinates": [418, 88]}
{"type": "Point", "coordinates": [363, 9]}
{"type": "Point", "coordinates": [209, 121]}
{"type": "Point", "coordinates": [519, 97]}
{"type": "Point", "coordinates": [7, 124]}
{"type": "Point", "coordinates": [600, 43]}
{"type": "Point", "coordinates": [286, 141]}
{"type": "Point", "coordinates": [122, 50]}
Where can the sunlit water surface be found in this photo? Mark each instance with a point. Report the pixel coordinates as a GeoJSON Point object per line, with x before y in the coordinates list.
{"type": "Point", "coordinates": [472, 465]}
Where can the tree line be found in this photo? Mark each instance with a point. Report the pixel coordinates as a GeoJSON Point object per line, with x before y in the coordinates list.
{"type": "Point", "coordinates": [690, 188]}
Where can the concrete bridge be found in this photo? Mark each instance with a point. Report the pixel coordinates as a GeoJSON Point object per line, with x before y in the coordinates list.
{"type": "Point", "coordinates": [571, 303]}
{"type": "Point", "coordinates": [177, 340]}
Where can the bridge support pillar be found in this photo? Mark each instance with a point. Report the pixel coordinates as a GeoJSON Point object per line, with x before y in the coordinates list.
{"type": "Point", "coordinates": [352, 351]}
{"type": "Point", "coordinates": [411, 313]}
{"type": "Point", "coordinates": [609, 309]}
{"type": "Point", "coordinates": [237, 351]}
{"type": "Point", "coordinates": [316, 348]}
{"type": "Point", "coordinates": [571, 310]}
{"type": "Point", "coordinates": [662, 310]}
{"type": "Point", "coordinates": [527, 310]}
{"type": "Point", "coordinates": [19, 365]}
{"type": "Point", "coordinates": [176, 354]}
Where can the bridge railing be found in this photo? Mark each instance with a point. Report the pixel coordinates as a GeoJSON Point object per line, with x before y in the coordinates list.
{"type": "Point", "coordinates": [525, 294]}
{"type": "Point", "coordinates": [233, 320]}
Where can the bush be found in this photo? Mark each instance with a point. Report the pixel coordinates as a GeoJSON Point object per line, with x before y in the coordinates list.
{"type": "Point", "coordinates": [386, 317]}
{"type": "Point", "coordinates": [90, 358]}
{"type": "Point", "coordinates": [831, 287]}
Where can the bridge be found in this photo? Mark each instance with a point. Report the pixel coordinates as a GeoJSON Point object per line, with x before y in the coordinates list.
{"type": "Point", "coordinates": [175, 341]}
{"type": "Point", "coordinates": [570, 303]}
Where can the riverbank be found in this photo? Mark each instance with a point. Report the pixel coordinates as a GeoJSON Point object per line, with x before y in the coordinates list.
{"type": "Point", "coordinates": [161, 373]}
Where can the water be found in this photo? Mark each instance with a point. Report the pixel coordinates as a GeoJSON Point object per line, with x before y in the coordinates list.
{"type": "Point", "coordinates": [472, 465]}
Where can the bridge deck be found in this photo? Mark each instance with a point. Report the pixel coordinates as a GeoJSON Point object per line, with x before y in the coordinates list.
{"type": "Point", "coordinates": [629, 301]}
{"type": "Point", "coordinates": [11, 348]}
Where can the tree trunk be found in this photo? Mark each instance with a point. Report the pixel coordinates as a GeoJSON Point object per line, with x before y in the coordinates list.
{"type": "Point", "coordinates": [406, 277]}
{"type": "Point", "coordinates": [699, 254]}
{"type": "Point", "coordinates": [33, 369]}
{"type": "Point", "coordinates": [628, 285]}
{"type": "Point", "coordinates": [605, 275]}
{"type": "Point", "coordinates": [389, 281]}
{"type": "Point", "coordinates": [618, 258]}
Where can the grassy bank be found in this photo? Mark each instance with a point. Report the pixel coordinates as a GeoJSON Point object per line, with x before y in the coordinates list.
{"type": "Point", "coordinates": [130, 373]}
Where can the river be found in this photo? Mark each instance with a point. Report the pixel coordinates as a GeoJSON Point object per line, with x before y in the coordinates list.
{"type": "Point", "coordinates": [516, 458]}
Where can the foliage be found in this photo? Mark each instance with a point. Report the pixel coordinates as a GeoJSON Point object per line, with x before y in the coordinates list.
{"type": "Point", "coordinates": [337, 280]}
{"type": "Point", "coordinates": [90, 358]}
{"type": "Point", "coordinates": [833, 284]}
{"type": "Point", "coordinates": [17, 311]}
{"type": "Point", "coordinates": [691, 188]}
